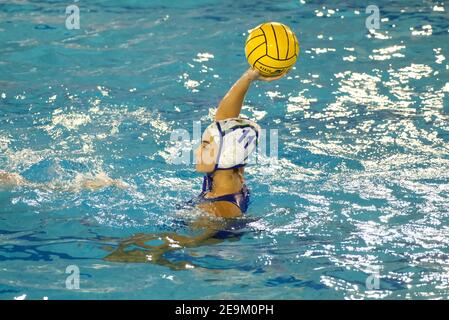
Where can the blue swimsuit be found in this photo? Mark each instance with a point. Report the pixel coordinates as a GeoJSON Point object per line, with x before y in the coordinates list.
{"type": "Point", "coordinates": [240, 199]}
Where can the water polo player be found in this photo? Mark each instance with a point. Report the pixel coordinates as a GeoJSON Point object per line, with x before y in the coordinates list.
{"type": "Point", "coordinates": [225, 147]}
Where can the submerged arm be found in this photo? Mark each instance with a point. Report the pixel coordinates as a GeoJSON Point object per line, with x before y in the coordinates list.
{"type": "Point", "coordinates": [138, 248]}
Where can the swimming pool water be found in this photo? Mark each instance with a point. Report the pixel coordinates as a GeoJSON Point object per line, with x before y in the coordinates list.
{"type": "Point", "coordinates": [359, 191]}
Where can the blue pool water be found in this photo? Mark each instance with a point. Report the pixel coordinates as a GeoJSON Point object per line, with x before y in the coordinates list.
{"type": "Point", "coordinates": [359, 191]}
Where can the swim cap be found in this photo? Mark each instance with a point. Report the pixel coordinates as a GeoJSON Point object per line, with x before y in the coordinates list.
{"type": "Point", "coordinates": [236, 139]}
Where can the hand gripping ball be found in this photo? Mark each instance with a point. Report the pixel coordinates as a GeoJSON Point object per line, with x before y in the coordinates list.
{"type": "Point", "coordinates": [272, 48]}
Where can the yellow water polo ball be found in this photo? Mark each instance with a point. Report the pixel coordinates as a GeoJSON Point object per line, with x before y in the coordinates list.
{"type": "Point", "coordinates": [272, 48]}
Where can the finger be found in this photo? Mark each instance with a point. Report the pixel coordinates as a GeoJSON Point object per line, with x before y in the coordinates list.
{"type": "Point", "coordinates": [278, 77]}
{"type": "Point", "coordinates": [269, 79]}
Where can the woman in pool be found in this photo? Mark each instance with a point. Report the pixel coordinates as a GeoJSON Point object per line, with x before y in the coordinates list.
{"type": "Point", "coordinates": [225, 146]}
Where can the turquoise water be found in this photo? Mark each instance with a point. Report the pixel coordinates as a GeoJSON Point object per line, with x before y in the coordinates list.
{"type": "Point", "coordinates": [359, 191]}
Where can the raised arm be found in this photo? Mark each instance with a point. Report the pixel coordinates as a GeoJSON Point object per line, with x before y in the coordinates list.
{"type": "Point", "coordinates": [231, 105]}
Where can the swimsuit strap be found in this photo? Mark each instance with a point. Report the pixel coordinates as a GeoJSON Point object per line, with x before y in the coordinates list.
{"type": "Point", "coordinates": [207, 182]}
